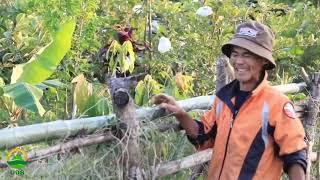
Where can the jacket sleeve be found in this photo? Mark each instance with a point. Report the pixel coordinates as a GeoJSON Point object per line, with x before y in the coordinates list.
{"type": "Point", "coordinates": [207, 129]}
{"type": "Point", "coordinates": [299, 157]}
{"type": "Point", "coordinates": [289, 135]}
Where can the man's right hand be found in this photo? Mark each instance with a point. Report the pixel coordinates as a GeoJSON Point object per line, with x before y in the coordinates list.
{"type": "Point", "coordinates": [171, 105]}
{"type": "Point", "coordinates": [168, 103]}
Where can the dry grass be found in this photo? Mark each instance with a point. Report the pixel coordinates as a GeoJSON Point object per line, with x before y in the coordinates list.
{"type": "Point", "coordinates": [104, 161]}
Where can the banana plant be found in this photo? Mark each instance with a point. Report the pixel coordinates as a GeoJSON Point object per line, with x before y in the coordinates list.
{"type": "Point", "coordinates": [23, 90]}
{"type": "Point", "coordinates": [122, 55]}
{"type": "Point", "coordinates": [86, 101]}
{"type": "Point", "coordinates": [145, 89]}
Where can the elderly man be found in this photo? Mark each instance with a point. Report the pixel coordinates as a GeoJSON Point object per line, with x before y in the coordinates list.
{"type": "Point", "coordinates": [252, 127]}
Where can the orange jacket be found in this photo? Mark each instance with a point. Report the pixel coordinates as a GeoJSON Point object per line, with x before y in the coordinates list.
{"type": "Point", "coordinates": [254, 142]}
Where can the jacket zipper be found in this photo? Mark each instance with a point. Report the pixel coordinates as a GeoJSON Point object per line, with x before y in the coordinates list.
{"type": "Point", "coordinates": [226, 149]}
{"type": "Point", "coordinates": [231, 126]}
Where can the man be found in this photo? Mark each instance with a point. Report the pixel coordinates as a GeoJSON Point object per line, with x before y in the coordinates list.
{"type": "Point", "coordinates": [251, 127]}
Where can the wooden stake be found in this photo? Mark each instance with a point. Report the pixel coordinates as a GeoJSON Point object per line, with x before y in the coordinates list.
{"type": "Point", "coordinates": [312, 116]}
{"type": "Point", "coordinates": [125, 109]}
{"type": "Point", "coordinates": [224, 71]}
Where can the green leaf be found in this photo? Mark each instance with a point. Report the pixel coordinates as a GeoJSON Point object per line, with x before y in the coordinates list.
{"type": "Point", "coordinates": [126, 62]}
{"type": "Point", "coordinates": [97, 106]}
{"type": "Point", "coordinates": [296, 51]}
{"type": "Point", "coordinates": [139, 93]}
{"type": "Point", "coordinates": [42, 65]}
{"type": "Point", "coordinates": [82, 91]}
{"type": "Point", "coordinates": [2, 82]}
{"type": "Point", "coordinates": [26, 96]}
{"type": "Point", "coordinates": [113, 49]}
{"type": "Point", "coordinates": [145, 89]}
{"type": "Point", "coordinates": [122, 61]}
{"type": "Point", "coordinates": [53, 83]}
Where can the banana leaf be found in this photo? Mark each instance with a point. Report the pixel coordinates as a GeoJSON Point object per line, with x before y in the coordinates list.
{"type": "Point", "coordinates": [44, 63]}
{"type": "Point", "coordinates": [25, 95]}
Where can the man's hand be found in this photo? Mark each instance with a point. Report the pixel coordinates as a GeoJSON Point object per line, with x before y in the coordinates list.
{"type": "Point", "coordinates": [171, 105]}
{"type": "Point", "coordinates": [168, 103]}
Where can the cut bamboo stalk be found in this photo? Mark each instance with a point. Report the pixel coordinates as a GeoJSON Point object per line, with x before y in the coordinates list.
{"type": "Point", "coordinates": [291, 88]}
{"type": "Point", "coordinates": [164, 169]}
{"type": "Point", "coordinates": [12, 137]}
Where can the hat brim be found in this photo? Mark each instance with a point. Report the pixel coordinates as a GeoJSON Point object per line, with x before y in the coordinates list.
{"type": "Point", "coordinates": [250, 46]}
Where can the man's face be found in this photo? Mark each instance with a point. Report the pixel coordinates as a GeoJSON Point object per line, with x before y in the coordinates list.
{"type": "Point", "coordinates": [247, 66]}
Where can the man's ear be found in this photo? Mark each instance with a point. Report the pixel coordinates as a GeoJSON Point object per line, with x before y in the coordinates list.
{"type": "Point", "coordinates": [265, 61]}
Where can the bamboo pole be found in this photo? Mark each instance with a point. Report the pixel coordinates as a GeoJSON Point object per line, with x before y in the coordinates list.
{"type": "Point", "coordinates": [291, 88]}
{"type": "Point", "coordinates": [151, 113]}
{"type": "Point", "coordinates": [164, 169]}
{"type": "Point", "coordinates": [12, 137]}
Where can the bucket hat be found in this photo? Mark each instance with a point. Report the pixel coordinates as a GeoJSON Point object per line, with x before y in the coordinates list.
{"type": "Point", "coordinates": [256, 38]}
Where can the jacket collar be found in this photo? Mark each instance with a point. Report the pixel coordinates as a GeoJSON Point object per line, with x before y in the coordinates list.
{"type": "Point", "coordinates": [230, 90]}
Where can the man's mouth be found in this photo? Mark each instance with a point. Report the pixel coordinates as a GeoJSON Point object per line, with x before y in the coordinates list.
{"type": "Point", "coordinates": [241, 69]}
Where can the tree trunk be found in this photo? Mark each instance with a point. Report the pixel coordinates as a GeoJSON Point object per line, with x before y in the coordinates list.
{"type": "Point", "coordinates": [224, 72]}
{"type": "Point", "coordinates": [311, 120]}
{"type": "Point", "coordinates": [125, 109]}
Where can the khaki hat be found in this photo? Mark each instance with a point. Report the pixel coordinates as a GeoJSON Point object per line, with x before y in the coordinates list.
{"type": "Point", "coordinates": [255, 37]}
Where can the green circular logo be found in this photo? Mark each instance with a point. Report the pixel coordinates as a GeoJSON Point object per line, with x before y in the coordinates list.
{"type": "Point", "coordinates": [17, 158]}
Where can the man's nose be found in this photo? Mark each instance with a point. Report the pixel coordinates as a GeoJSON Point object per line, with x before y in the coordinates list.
{"type": "Point", "coordinates": [238, 60]}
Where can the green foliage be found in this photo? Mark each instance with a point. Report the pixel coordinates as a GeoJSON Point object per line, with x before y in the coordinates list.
{"type": "Point", "coordinates": [188, 69]}
{"type": "Point", "coordinates": [86, 101]}
{"type": "Point", "coordinates": [122, 55]}
{"type": "Point", "coordinates": [44, 63]}
{"type": "Point", "coordinates": [145, 89]}
{"type": "Point", "coordinates": [97, 106]}
{"type": "Point", "coordinates": [37, 70]}
{"type": "Point", "coordinates": [25, 95]}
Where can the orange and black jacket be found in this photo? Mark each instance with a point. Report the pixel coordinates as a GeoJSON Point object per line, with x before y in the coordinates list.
{"type": "Point", "coordinates": [256, 141]}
